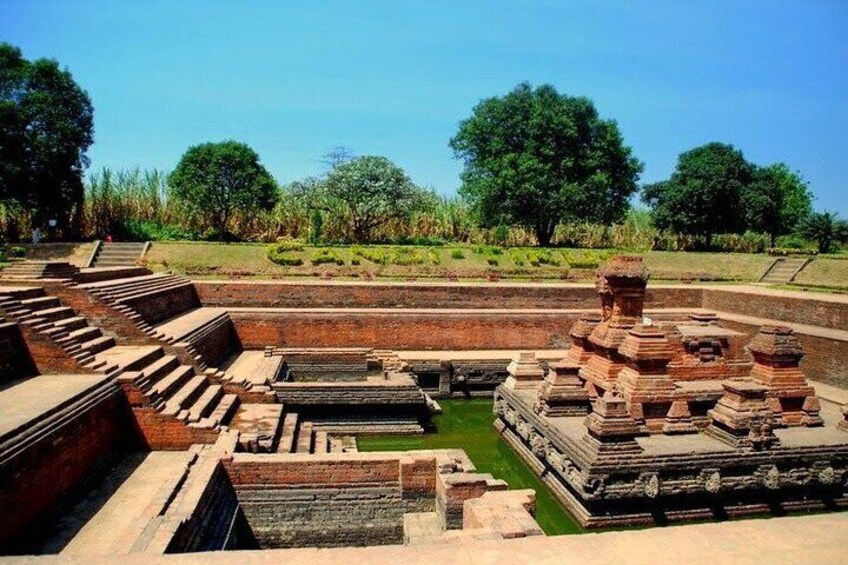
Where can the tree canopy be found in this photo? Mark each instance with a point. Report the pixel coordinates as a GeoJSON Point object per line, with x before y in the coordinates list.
{"type": "Point", "coordinates": [825, 228]}
{"type": "Point", "coordinates": [46, 126]}
{"type": "Point", "coordinates": [776, 201]}
{"type": "Point", "coordinates": [703, 194]}
{"type": "Point", "coordinates": [219, 178]}
{"type": "Point", "coordinates": [536, 158]}
{"type": "Point", "coordinates": [371, 191]}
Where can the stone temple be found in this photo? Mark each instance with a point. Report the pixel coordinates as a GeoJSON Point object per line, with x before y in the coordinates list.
{"type": "Point", "coordinates": [143, 415]}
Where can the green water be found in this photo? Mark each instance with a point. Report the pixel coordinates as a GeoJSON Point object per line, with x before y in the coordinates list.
{"type": "Point", "coordinates": [467, 424]}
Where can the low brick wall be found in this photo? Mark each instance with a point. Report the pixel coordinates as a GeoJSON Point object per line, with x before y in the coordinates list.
{"type": "Point", "coordinates": [40, 473]}
{"type": "Point", "coordinates": [331, 500]}
{"type": "Point", "coordinates": [406, 329]}
{"type": "Point", "coordinates": [810, 308]}
{"type": "Point", "coordinates": [283, 294]}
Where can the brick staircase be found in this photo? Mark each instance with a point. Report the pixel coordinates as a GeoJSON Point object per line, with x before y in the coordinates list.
{"type": "Point", "coordinates": [304, 436]}
{"type": "Point", "coordinates": [40, 270]}
{"type": "Point", "coordinates": [118, 254]}
{"type": "Point", "coordinates": [784, 270]}
{"type": "Point", "coordinates": [165, 306]}
{"type": "Point", "coordinates": [156, 384]}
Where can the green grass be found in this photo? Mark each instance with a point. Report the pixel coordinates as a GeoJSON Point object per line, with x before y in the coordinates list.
{"type": "Point", "coordinates": [467, 424]}
{"type": "Point", "coordinates": [445, 263]}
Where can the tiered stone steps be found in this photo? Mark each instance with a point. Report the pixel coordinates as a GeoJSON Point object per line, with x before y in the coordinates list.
{"type": "Point", "coordinates": [784, 270]}
{"type": "Point", "coordinates": [118, 254]}
{"type": "Point", "coordinates": [174, 390]}
{"type": "Point", "coordinates": [299, 436]}
{"type": "Point", "coordinates": [34, 270]}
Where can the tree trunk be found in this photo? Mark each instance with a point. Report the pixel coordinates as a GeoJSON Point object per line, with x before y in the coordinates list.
{"type": "Point", "coordinates": [544, 234]}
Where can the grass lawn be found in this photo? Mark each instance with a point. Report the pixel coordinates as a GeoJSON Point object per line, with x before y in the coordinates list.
{"type": "Point", "coordinates": [467, 424]}
{"type": "Point", "coordinates": [447, 262]}
{"type": "Point", "coordinates": [825, 271]}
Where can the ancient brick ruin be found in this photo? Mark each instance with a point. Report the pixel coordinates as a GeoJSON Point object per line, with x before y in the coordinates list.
{"type": "Point", "coordinates": [685, 422]}
{"type": "Point", "coordinates": [148, 413]}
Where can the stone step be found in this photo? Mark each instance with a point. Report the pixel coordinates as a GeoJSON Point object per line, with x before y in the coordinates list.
{"type": "Point", "coordinates": [205, 404]}
{"type": "Point", "coordinates": [321, 443]}
{"type": "Point", "coordinates": [54, 314]}
{"type": "Point", "coordinates": [186, 396]}
{"type": "Point", "coordinates": [97, 345]}
{"type": "Point", "coordinates": [72, 323]}
{"type": "Point", "coordinates": [223, 412]}
{"type": "Point", "coordinates": [161, 367]}
{"type": "Point", "coordinates": [304, 438]}
{"type": "Point", "coordinates": [168, 385]}
{"type": "Point", "coordinates": [286, 444]}
{"type": "Point", "coordinates": [85, 334]}
{"type": "Point", "coordinates": [40, 303]}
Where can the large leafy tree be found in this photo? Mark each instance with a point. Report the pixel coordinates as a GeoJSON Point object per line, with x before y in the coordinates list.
{"type": "Point", "coordinates": [46, 126]}
{"type": "Point", "coordinates": [703, 194]}
{"type": "Point", "coordinates": [536, 158]}
{"type": "Point", "coordinates": [371, 191]}
{"type": "Point", "coordinates": [218, 179]}
{"type": "Point", "coordinates": [825, 228]}
{"type": "Point", "coordinates": [776, 200]}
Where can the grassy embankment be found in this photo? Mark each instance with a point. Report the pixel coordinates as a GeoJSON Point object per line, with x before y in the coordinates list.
{"type": "Point", "coordinates": [442, 263]}
{"type": "Point", "coordinates": [467, 424]}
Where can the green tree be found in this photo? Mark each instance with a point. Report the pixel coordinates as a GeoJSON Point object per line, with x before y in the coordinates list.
{"type": "Point", "coordinates": [776, 200]}
{"type": "Point", "coordinates": [217, 179]}
{"type": "Point", "coordinates": [536, 158]}
{"type": "Point", "coordinates": [46, 126]}
{"type": "Point", "coordinates": [372, 191]}
{"type": "Point", "coordinates": [825, 228]}
{"type": "Point", "coordinates": [703, 194]}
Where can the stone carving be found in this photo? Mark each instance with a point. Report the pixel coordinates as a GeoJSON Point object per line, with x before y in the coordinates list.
{"type": "Point", "coordinates": [769, 476]}
{"type": "Point", "coordinates": [712, 480]}
{"type": "Point", "coordinates": [652, 485]}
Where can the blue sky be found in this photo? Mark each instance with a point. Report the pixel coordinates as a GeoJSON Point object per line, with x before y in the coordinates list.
{"type": "Point", "coordinates": [294, 79]}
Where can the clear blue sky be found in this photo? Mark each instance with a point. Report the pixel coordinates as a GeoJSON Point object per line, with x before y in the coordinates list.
{"type": "Point", "coordinates": [293, 79]}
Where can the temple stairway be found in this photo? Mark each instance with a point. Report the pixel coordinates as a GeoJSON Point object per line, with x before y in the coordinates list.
{"type": "Point", "coordinates": [118, 254]}
{"type": "Point", "coordinates": [165, 392]}
{"type": "Point", "coordinates": [784, 270]}
{"type": "Point", "coordinates": [304, 436]}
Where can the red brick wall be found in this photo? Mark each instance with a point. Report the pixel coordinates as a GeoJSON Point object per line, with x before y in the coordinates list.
{"type": "Point", "coordinates": [279, 294]}
{"type": "Point", "coordinates": [34, 481]}
{"type": "Point", "coordinates": [808, 310]}
{"type": "Point", "coordinates": [404, 330]}
{"type": "Point", "coordinates": [270, 471]}
{"type": "Point", "coordinates": [49, 357]}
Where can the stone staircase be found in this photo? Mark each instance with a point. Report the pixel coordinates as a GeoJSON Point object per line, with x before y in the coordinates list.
{"type": "Point", "coordinates": [151, 379]}
{"type": "Point", "coordinates": [118, 254]}
{"type": "Point", "coordinates": [784, 270]}
{"type": "Point", "coordinates": [304, 436]}
{"type": "Point", "coordinates": [33, 270]}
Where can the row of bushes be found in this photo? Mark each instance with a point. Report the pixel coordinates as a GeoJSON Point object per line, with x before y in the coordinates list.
{"type": "Point", "coordinates": [285, 253]}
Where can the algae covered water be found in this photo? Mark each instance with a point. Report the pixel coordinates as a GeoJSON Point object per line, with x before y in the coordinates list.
{"type": "Point", "coordinates": [467, 424]}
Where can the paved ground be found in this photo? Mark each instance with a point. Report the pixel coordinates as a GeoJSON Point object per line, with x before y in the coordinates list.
{"type": "Point", "coordinates": [27, 400]}
{"type": "Point", "coordinates": [808, 539]}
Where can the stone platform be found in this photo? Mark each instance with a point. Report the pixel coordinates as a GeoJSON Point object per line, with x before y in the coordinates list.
{"type": "Point", "coordinates": [677, 477]}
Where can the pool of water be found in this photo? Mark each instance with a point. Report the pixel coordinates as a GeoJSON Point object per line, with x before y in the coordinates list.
{"type": "Point", "coordinates": [467, 424]}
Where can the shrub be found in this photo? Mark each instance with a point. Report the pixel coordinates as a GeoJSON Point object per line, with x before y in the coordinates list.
{"type": "Point", "coordinates": [791, 242]}
{"type": "Point", "coordinates": [433, 257]}
{"type": "Point", "coordinates": [132, 229]}
{"type": "Point", "coordinates": [457, 254]}
{"type": "Point", "coordinates": [406, 257]}
{"type": "Point", "coordinates": [784, 251]}
{"type": "Point", "coordinates": [323, 256]}
{"type": "Point", "coordinates": [371, 254]}
{"type": "Point", "coordinates": [17, 251]}
{"type": "Point", "coordinates": [487, 250]}
{"type": "Point", "coordinates": [289, 244]}
{"type": "Point", "coordinates": [518, 257]}
{"type": "Point", "coordinates": [493, 261]}
{"type": "Point", "coordinates": [279, 254]}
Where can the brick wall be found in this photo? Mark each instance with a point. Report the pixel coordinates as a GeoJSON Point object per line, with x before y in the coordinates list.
{"type": "Point", "coordinates": [280, 294]}
{"type": "Point", "coordinates": [46, 472]}
{"type": "Point", "coordinates": [404, 330]}
{"type": "Point", "coordinates": [329, 501]}
{"type": "Point", "coordinates": [808, 309]}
